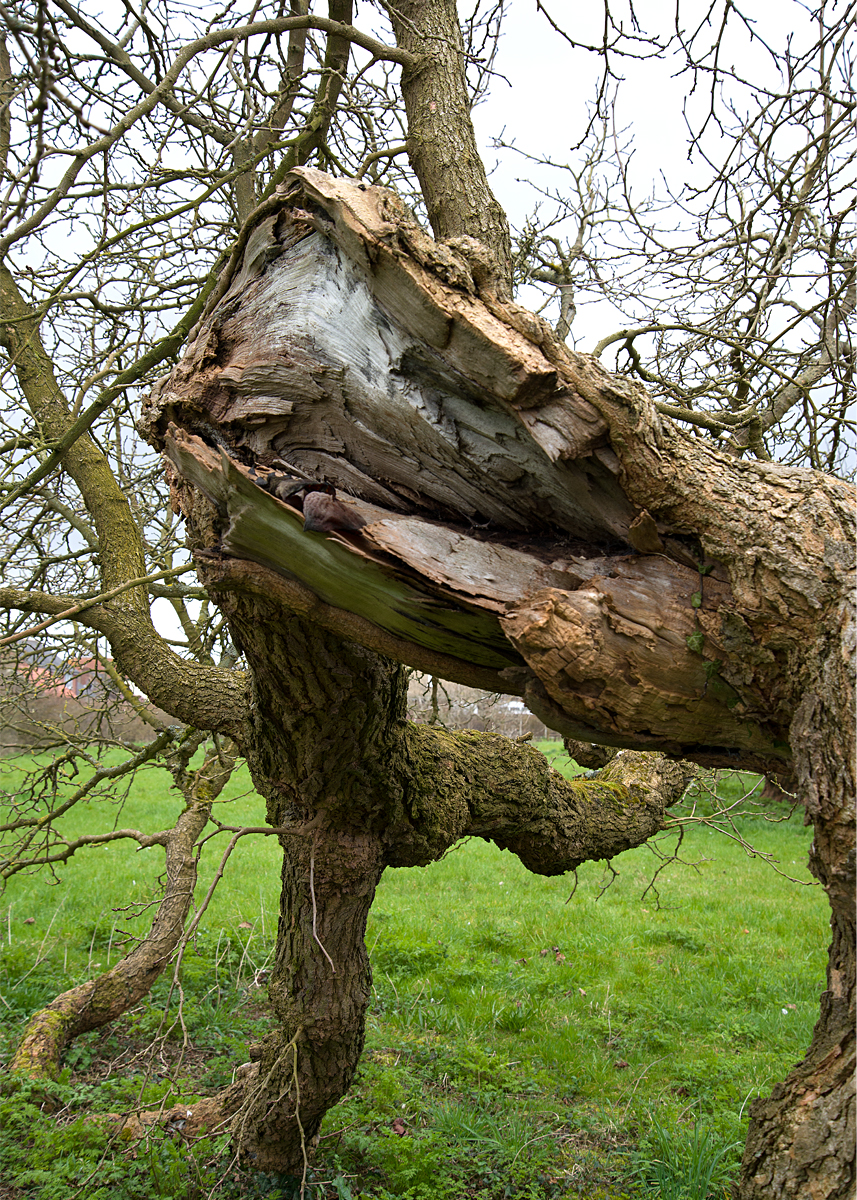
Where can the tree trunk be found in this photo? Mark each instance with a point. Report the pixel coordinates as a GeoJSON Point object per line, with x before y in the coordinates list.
{"type": "Point", "coordinates": [801, 1139]}
{"type": "Point", "coordinates": [324, 712]}
{"type": "Point", "coordinates": [513, 514]}
{"type": "Point", "coordinates": [359, 788]}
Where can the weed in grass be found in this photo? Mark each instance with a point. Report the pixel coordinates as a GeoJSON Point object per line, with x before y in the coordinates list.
{"type": "Point", "coordinates": [512, 1016]}
{"type": "Point", "coordinates": [459, 1122]}
{"type": "Point", "coordinates": [498, 937]}
{"type": "Point", "coordinates": [676, 937]}
{"type": "Point", "coordinates": [413, 1167]}
{"type": "Point", "coordinates": [683, 1164]}
{"type": "Point", "coordinates": [416, 956]}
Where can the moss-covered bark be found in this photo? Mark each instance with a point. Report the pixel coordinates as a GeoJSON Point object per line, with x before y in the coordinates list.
{"type": "Point", "coordinates": [354, 787]}
{"type": "Point", "coordinates": [206, 697]}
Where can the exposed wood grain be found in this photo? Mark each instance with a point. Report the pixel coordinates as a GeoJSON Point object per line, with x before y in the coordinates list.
{"type": "Point", "coordinates": [267, 531]}
{"type": "Point", "coordinates": [337, 361]}
{"type": "Point", "coordinates": [493, 469]}
{"type": "Point", "coordinates": [531, 518]}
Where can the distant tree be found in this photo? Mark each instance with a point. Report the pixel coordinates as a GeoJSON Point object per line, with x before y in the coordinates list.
{"type": "Point", "coordinates": [521, 519]}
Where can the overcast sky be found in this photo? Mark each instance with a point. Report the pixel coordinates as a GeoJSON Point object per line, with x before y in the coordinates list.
{"type": "Point", "coordinates": [544, 109]}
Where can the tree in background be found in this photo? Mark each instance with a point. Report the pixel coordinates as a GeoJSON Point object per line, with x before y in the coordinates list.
{"type": "Point", "coordinates": [510, 515]}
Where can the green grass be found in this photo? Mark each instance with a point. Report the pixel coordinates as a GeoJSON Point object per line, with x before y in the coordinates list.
{"type": "Point", "coordinates": [517, 1045]}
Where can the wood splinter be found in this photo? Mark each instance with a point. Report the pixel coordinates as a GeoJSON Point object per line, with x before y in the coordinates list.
{"type": "Point", "coordinates": [323, 513]}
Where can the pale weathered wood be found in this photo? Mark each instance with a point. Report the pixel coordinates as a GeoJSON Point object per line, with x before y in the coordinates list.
{"type": "Point", "coordinates": [529, 518]}
{"type": "Point", "coordinates": [339, 363]}
{"type": "Point", "coordinates": [349, 347]}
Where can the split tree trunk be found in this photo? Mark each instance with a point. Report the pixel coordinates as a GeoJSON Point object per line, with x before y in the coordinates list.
{"type": "Point", "coordinates": [511, 514]}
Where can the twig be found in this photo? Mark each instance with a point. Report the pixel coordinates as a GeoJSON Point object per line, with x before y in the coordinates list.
{"type": "Point", "coordinates": [83, 605]}
{"type": "Point", "coordinates": [614, 875]}
{"type": "Point", "coordinates": [576, 882]}
{"type": "Point", "coordinates": [298, 1110]}
{"type": "Point", "coordinates": [314, 913]}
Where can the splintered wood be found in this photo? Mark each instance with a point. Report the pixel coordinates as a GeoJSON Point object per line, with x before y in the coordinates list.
{"type": "Point", "coordinates": [346, 347]}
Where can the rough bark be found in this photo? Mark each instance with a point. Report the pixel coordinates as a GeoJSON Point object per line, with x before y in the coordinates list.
{"type": "Point", "coordinates": [101, 1000]}
{"type": "Point", "coordinates": [441, 141]}
{"type": "Point", "coordinates": [353, 787]}
{"type": "Point", "coordinates": [529, 516]}
{"type": "Point", "coordinates": [802, 1137]}
{"type": "Point", "coordinates": [322, 712]}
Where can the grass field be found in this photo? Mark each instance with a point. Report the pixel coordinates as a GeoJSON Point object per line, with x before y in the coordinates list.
{"type": "Point", "coordinates": [518, 1045]}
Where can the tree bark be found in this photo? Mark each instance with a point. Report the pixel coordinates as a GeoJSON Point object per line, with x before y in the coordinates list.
{"type": "Point", "coordinates": [441, 141]}
{"type": "Point", "coordinates": [802, 1137]}
{"type": "Point", "coordinates": [513, 510]}
{"type": "Point", "coordinates": [323, 712]}
{"type": "Point", "coordinates": [354, 788]}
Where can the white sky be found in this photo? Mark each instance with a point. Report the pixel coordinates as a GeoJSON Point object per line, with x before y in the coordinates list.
{"type": "Point", "coordinates": [544, 111]}
{"type": "Point", "coordinates": [545, 108]}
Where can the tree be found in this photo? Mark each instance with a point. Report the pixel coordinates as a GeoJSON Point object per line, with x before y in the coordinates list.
{"type": "Point", "coordinates": [510, 514]}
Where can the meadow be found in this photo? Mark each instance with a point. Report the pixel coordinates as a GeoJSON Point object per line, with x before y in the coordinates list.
{"type": "Point", "coordinates": [521, 1041]}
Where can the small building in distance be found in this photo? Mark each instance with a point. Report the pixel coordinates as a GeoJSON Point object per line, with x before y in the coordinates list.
{"type": "Point", "coordinates": [434, 701]}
